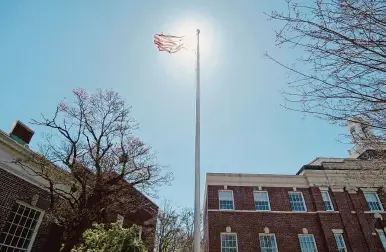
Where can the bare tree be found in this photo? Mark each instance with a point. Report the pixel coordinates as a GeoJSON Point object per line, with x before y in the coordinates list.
{"type": "Point", "coordinates": [92, 161]}
{"type": "Point", "coordinates": [187, 225]}
{"type": "Point", "coordinates": [174, 229]}
{"type": "Point", "coordinates": [168, 229]}
{"type": "Point", "coordinates": [341, 73]}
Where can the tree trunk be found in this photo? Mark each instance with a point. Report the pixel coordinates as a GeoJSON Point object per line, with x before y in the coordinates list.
{"type": "Point", "coordinates": [74, 237]}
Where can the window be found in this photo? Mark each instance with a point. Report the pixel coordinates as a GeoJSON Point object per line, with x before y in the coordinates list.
{"type": "Point", "coordinates": [261, 201]}
{"type": "Point", "coordinates": [120, 220]}
{"type": "Point", "coordinates": [382, 237]}
{"type": "Point", "coordinates": [226, 200]}
{"type": "Point", "coordinates": [228, 243]}
{"type": "Point", "coordinates": [373, 201]}
{"type": "Point", "coordinates": [268, 243]}
{"type": "Point", "coordinates": [19, 231]}
{"type": "Point", "coordinates": [297, 201]}
{"type": "Point", "coordinates": [307, 243]}
{"type": "Point", "coordinates": [327, 201]}
{"type": "Point", "coordinates": [340, 243]}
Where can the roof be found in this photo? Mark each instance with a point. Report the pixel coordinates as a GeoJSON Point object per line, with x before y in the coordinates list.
{"type": "Point", "coordinates": [24, 149]}
{"type": "Point", "coordinates": [320, 162]}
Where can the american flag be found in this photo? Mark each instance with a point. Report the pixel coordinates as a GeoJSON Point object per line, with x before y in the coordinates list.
{"type": "Point", "coordinates": [169, 43]}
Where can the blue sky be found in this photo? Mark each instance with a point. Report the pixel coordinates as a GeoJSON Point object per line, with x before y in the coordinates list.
{"type": "Point", "coordinates": [47, 48]}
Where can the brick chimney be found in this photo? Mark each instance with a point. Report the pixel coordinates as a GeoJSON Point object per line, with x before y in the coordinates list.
{"type": "Point", "coordinates": [21, 133]}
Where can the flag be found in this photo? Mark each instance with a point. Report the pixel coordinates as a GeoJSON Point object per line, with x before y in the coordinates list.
{"type": "Point", "coordinates": [168, 43]}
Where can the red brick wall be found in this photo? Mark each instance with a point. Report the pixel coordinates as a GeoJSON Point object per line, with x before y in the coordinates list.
{"type": "Point", "coordinates": [285, 226]}
{"type": "Point", "coordinates": [358, 227]}
{"type": "Point", "coordinates": [243, 197]}
{"type": "Point", "coordinates": [13, 188]}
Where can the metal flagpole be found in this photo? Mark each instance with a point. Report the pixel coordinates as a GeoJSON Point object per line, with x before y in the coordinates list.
{"type": "Point", "coordinates": [197, 209]}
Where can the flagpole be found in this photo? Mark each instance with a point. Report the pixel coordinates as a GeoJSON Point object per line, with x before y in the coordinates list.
{"type": "Point", "coordinates": [197, 209]}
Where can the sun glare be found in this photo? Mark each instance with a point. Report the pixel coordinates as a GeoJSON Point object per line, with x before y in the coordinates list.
{"type": "Point", "coordinates": [187, 27]}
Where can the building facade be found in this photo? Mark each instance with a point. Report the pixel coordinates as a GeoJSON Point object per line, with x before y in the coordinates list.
{"type": "Point", "coordinates": [316, 210]}
{"type": "Point", "coordinates": [24, 199]}
{"type": "Point", "coordinates": [331, 204]}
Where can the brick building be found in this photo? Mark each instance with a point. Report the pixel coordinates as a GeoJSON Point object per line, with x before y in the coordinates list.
{"type": "Point", "coordinates": [24, 200]}
{"type": "Point", "coordinates": [331, 204]}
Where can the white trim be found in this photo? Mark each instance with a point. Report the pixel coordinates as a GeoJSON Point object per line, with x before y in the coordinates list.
{"type": "Point", "coordinates": [323, 188]}
{"type": "Point", "coordinates": [263, 180]}
{"type": "Point", "coordinates": [28, 179]}
{"type": "Point", "coordinates": [337, 231]}
{"type": "Point", "coordinates": [269, 234]}
{"type": "Point", "coordinates": [313, 238]}
{"type": "Point", "coordinates": [337, 189]}
{"type": "Point", "coordinates": [369, 189]}
{"type": "Point", "coordinates": [344, 242]}
{"type": "Point", "coordinates": [120, 220]}
{"type": "Point", "coordinates": [233, 199]}
{"type": "Point", "coordinates": [379, 232]}
{"type": "Point", "coordinates": [329, 198]}
{"type": "Point", "coordinates": [372, 212]}
{"type": "Point", "coordinates": [33, 237]}
{"type": "Point", "coordinates": [269, 201]}
{"type": "Point", "coordinates": [304, 202]}
{"type": "Point", "coordinates": [352, 189]}
{"type": "Point", "coordinates": [275, 212]}
{"type": "Point", "coordinates": [37, 226]}
{"type": "Point", "coordinates": [237, 243]}
{"type": "Point", "coordinates": [379, 201]}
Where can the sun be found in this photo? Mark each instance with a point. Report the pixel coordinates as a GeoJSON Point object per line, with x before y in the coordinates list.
{"type": "Point", "coordinates": [186, 26]}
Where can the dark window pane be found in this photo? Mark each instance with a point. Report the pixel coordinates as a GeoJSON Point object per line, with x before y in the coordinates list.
{"type": "Point", "coordinates": [14, 241]}
{"type": "Point", "coordinates": [20, 243]}
{"type": "Point", "coordinates": [29, 234]}
{"type": "Point", "coordinates": [8, 239]}
{"type": "Point", "coordinates": [2, 237]}
{"type": "Point", "coordinates": [20, 209]}
{"type": "Point", "coordinates": [16, 220]}
{"type": "Point", "coordinates": [18, 231]}
{"type": "Point", "coordinates": [28, 223]}
{"type": "Point", "coordinates": [23, 221]}
{"type": "Point", "coordinates": [26, 243]}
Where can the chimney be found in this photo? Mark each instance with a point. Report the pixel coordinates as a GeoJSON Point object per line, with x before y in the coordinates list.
{"type": "Point", "coordinates": [21, 133]}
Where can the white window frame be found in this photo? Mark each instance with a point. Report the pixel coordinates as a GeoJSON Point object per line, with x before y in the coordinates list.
{"type": "Point", "coordinates": [381, 232]}
{"type": "Point", "coordinates": [313, 239]}
{"type": "Point", "coordinates": [269, 201]}
{"type": "Point", "coordinates": [35, 231]}
{"type": "Point", "coordinates": [379, 201]}
{"type": "Point", "coordinates": [233, 199]}
{"type": "Point", "coordinates": [235, 234]}
{"type": "Point", "coordinates": [304, 202]}
{"type": "Point", "coordinates": [268, 234]}
{"type": "Point", "coordinates": [329, 199]}
{"type": "Point", "coordinates": [344, 243]}
{"type": "Point", "coordinates": [120, 220]}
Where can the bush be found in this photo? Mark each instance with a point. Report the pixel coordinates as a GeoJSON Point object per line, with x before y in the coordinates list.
{"type": "Point", "coordinates": [114, 238]}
